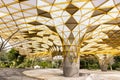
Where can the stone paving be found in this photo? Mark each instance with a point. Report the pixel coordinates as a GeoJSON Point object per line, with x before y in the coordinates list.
{"type": "Point", "coordinates": [56, 74]}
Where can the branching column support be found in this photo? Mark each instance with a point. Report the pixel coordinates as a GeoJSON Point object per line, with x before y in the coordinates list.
{"type": "Point", "coordinates": [5, 41]}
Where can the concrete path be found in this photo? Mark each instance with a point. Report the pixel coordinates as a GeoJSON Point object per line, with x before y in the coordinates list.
{"type": "Point", "coordinates": [56, 74]}
{"type": "Point", "coordinates": [14, 74]}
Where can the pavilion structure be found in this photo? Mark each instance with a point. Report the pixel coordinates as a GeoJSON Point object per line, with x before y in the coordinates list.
{"type": "Point", "coordinates": [79, 26]}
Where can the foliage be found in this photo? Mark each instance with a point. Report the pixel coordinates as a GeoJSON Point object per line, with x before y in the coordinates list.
{"type": "Point", "coordinates": [93, 66]}
{"type": "Point", "coordinates": [12, 54]}
{"type": "Point", "coordinates": [3, 56]}
{"type": "Point", "coordinates": [11, 59]}
{"type": "Point", "coordinates": [116, 65]}
{"type": "Point", "coordinates": [89, 63]}
{"type": "Point", "coordinates": [45, 64]}
{"type": "Point", "coordinates": [30, 63]}
{"type": "Point", "coordinates": [117, 58]}
{"type": "Point", "coordinates": [27, 63]}
{"type": "Point", "coordinates": [3, 64]}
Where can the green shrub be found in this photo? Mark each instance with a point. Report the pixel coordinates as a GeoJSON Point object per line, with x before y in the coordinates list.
{"type": "Point", "coordinates": [89, 63]}
{"type": "Point", "coordinates": [2, 65]}
{"type": "Point", "coordinates": [83, 64]}
{"type": "Point", "coordinates": [117, 58]}
{"type": "Point", "coordinates": [45, 64]}
{"type": "Point", "coordinates": [93, 66]}
{"type": "Point", "coordinates": [3, 56]}
{"type": "Point", "coordinates": [27, 63]}
{"type": "Point", "coordinates": [11, 59]}
{"type": "Point", "coordinates": [12, 54]}
{"type": "Point", "coordinates": [116, 65]}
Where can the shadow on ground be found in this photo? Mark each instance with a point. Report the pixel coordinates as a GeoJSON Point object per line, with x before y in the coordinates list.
{"type": "Point", "coordinates": [14, 74]}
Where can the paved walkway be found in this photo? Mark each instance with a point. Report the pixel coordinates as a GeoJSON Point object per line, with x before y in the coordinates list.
{"type": "Point", "coordinates": [14, 74]}
{"type": "Point", "coordinates": [56, 74]}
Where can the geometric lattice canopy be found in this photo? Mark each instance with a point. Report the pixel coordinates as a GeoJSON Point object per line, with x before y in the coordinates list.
{"type": "Point", "coordinates": [94, 24]}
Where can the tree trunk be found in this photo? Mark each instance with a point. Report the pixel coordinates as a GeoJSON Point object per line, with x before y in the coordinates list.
{"type": "Point", "coordinates": [71, 67]}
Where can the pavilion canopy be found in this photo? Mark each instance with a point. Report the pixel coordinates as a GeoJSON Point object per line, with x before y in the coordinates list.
{"type": "Point", "coordinates": [37, 21]}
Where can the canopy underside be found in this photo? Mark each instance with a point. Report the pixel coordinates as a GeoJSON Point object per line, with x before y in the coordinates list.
{"type": "Point", "coordinates": [40, 21]}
